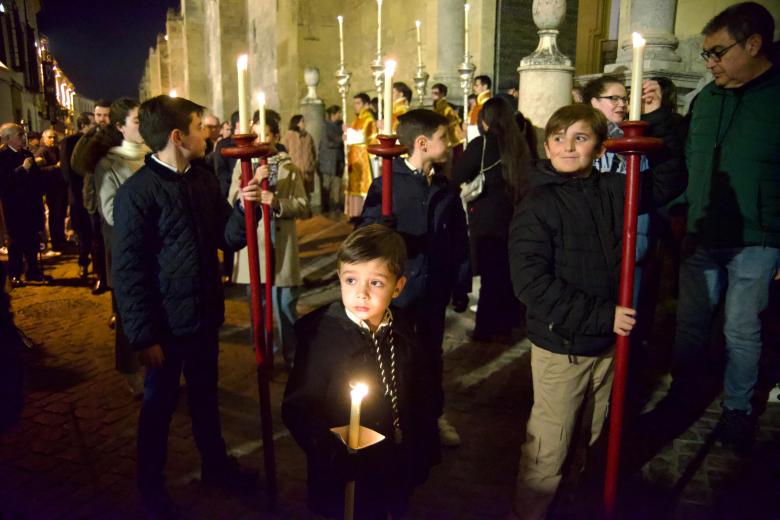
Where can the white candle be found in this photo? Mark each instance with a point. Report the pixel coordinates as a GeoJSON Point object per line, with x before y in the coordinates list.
{"type": "Point", "coordinates": [261, 114]}
{"type": "Point", "coordinates": [419, 44]}
{"type": "Point", "coordinates": [379, 27]}
{"type": "Point", "coordinates": [243, 104]}
{"type": "Point", "coordinates": [388, 115]}
{"type": "Point", "coordinates": [637, 67]}
{"type": "Point", "coordinates": [466, 8]}
{"type": "Point", "coordinates": [341, 37]}
{"type": "Point", "coordinates": [358, 392]}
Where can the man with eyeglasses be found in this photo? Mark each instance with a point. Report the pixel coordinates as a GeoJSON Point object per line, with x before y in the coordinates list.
{"type": "Point", "coordinates": [733, 158]}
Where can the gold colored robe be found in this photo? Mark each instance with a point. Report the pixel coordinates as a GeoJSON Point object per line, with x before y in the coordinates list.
{"type": "Point", "coordinates": [481, 100]}
{"type": "Point", "coordinates": [454, 130]}
{"type": "Point", "coordinates": [359, 179]}
{"type": "Point", "coordinates": [400, 107]}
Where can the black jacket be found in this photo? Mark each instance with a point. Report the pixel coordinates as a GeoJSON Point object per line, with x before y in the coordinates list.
{"type": "Point", "coordinates": [223, 166]}
{"type": "Point", "coordinates": [430, 218]}
{"type": "Point", "coordinates": [21, 192]}
{"type": "Point", "coordinates": [332, 352]}
{"type": "Point", "coordinates": [564, 251]}
{"type": "Point", "coordinates": [167, 228]}
{"type": "Point", "coordinates": [331, 153]}
{"type": "Point", "coordinates": [490, 213]}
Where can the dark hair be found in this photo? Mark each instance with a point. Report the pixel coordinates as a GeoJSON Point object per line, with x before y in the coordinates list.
{"type": "Point", "coordinates": [668, 93]}
{"type": "Point", "coordinates": [332, 110]}
{"type": "Point", "coordinates": [415, 123]}
{"type": "Point", "coordinates": [374, 242]}
{"type": "Point", "coordinates": [161, 115]}
{"type": "Point", "coordinates": [120, 108]}
{"type": "Point", "coordinates": [499, 116]}
{"type": "Point", "coordinates": [234, 117]}
{"type": "Point", "coordinates": [472, 97]}
{"type": "Point", "coordinates": [294, 120]}
{"type": "Point", "coordinates": [596, 87]}
{"type": "Point", "coordinates": [441, 87]}
{"type": "Point", "coordinates": [580, 91]}
{"type": "Point", "coordinates": [404, 89]}
{"type": "Point", "coordinates": [103, 103]}
{"type": "Point", "coordinates": [362, 96]}
{"type": "Point", "coordinates": [485, 80]}
{"type": "Point", "coordinates": [83, 120]}
{"type": "Point", "coordinates": [566, 116]}
{"type": "Point", "coordinates": [743, 21]}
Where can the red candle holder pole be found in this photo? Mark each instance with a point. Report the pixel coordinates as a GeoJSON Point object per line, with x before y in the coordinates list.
{"type": "Point", "coordinates": [632, 145]}
{"type": "Point", "coordinates": [246, 150]}
{"type": "Point", "coordinates": [269, 273]}
{"type": "Point", "coordinates": [387, 150]}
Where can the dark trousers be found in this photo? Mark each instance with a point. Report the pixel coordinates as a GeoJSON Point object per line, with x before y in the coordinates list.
{"type": "Point", "coordinates": [88, 228]}
{"type": "Point", "coordinates": [23, 244]}
{"type": "Point", "coordinates": [57, 201]}
{"type": "Point", "coordinates": [197, 355]}
{"type": "Point", "coordinates": [498, 310]}
{"type": "Point", "coordinates": [98, 248]}
{"type": "Point", "coordinates": [429, 325]}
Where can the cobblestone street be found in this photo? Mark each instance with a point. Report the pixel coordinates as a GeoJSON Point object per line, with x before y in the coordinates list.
{"type": "Point", "coordinates": [73, 453]}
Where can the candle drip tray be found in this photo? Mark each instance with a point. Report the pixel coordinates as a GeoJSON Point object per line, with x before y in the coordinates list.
{"type": "Point", "coordinates": [367, 437]}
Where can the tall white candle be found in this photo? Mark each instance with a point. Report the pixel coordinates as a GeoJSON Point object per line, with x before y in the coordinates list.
{"type": "Point", "coordinates": [637, 68]}
{"type": "Point", "coordinates": [261, 115]}
{"type": "Point", "coordinates": [357, 393]}
{"type": "Point", "coordinates": [244, 119]}
{"type": "Point", "coordinates": [379, 27]}
{"type": "Point", "coordinates": [388, 115]}
{"type": "Point", "coordinates": [341, 37]}
{"type": "Point", "coordinates": [419, 44]}
{"type": "Point", "coordinates": [466, 8]}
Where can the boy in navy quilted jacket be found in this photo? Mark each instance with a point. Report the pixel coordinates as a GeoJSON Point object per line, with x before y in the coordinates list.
{"type": "Point", "coordinates": [169, 220]}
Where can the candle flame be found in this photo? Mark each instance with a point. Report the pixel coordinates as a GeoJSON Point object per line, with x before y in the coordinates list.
{"type": "Point", "coordinates": [261, 97]}
{"type": "Point", "coordinates": [467, 7]}
{"type": "Point", "coordinates": [637, 39]}
{"type": "Point", "coordinates": [358, 392]}
{"type": "Point", "coordinates": [242, 61]}
{"type": "Point", "coordinates": [390, 67]}
{"type": "Point", "coordinates": [379, 3]}
{"type": "Point", "coordinates": [172, 93]}
{"type": "Point", "coordinates": [340, 18]}
{"type": "Point", "coordinates": [417, 23]}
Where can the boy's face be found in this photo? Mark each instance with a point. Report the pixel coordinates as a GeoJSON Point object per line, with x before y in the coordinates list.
{"type": "Point", "coordinates": [367, 289]}
{"type": "Point", "coordinates": [434, 148]}
{"type": "Point", "coordinates": [573, 150]}
{"type": "Point", "coordinates": [195, 140]}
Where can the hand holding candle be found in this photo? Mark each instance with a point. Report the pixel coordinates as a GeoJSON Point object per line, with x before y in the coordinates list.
{"type": "Point", "coordinates": [359, 391]}
{"type": "Point", "coordinates": [637, 68]}
{"type": "Point", "coordinates": [261, 115]}
{"type": "Point", "coordinates": [388, 114]}
{"type": "Point", "coordinates": [244, 118]}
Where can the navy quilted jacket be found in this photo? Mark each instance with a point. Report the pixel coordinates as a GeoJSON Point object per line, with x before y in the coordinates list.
{"type": "Point", "coordinates": [167, 229]}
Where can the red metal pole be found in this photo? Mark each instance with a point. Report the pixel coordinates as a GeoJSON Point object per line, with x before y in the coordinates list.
{"type": "Point", "coordinates": [269, 277]}
{"type": "Point", "coordinates": [387, 150]}
{"type": "Point", "coordinates": [632, 145]}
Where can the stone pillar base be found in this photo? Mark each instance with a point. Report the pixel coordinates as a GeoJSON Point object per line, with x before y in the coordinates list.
{"type": "Point", "coordinates": [543, 90]}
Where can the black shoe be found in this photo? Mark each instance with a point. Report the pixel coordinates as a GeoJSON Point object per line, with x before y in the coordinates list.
{"type": "Point", "coordinates": [40, 278]}
{"type": "Point", "coordinates": [229, 475]}
{"type": "Point", "coordinates": [158, 505]}
{"type": "Point", "coordinates": [16, 282]}
{"type": "Point", "coordinates": [83, 272]}
{"type": "Point", "coordinates": [736, 430]}
{"type": "Point", "coordinates": [99, 288]}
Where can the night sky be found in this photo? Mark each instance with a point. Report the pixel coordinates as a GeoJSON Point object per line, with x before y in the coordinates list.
{"type": "Point", "coordinates": [102, 46]}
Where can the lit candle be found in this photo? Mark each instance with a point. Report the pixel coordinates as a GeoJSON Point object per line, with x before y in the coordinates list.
{"type": "Point", "coordinates": [637, 67]}
{"type": "Point", "coordinates": [261, 114]}
{"type": "Point", "coordinates": [358, 392]}
{"type": "Point", "coordinates": [243, 105]}
{"type": "Point", "coordinates": [379, 27]}
{"type": "Point", "coordinates": [388, 115]}
{"type": "Point", "coordinates": [466, 8]}
{"type": "Point", "coordinates": [419, 44]}
{"type": "Point", "coordinates": [172, 93]}
{"type": "Point", "coordinates": [341, 37]}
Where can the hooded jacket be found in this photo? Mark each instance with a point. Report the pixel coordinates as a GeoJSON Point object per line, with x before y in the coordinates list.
{"type": "Point", "coordinates": [565, 251]}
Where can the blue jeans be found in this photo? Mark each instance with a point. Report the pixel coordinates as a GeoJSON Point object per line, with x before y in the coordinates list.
{"type": "Point", "coordinates": [745, 274]}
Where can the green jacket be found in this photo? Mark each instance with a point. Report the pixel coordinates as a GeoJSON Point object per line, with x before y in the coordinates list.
{"type": "Point", "coordinates": [733, 158]}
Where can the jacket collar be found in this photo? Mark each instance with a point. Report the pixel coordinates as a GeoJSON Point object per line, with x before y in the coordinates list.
{"type": "Point", "coordinates": [162, 169]}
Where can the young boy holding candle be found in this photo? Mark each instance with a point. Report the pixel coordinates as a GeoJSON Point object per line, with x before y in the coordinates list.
{"type": "Point", "coordinates": [564, 249]}
{"type": "Point", "coordinates": [362, 339]}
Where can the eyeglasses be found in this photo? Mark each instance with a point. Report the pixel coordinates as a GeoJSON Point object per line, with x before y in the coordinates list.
{"type": "Point", "coordinates": [717, 55]}
{"type": "Point", "coordinates": [614, 99]}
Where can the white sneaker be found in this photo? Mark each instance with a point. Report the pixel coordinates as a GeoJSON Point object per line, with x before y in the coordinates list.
{"type": "Point", "coordinates": [447, 433]}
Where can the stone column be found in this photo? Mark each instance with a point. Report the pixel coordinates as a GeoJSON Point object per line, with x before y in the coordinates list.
{"type": "Point", "coordinates": [449, 47]}
{"type": "Point", "coordinates": [655, 22]}
{"type": "Point", "coordinates": [165, 76]}
{"type": "Point", "coordinates": [174, 26]}
{"type": "Point", "coordinates": [195, 85]}
{"type": "Point", "coordinates": [546, 75]}
{"type": "Point", "coordinates": [313, 110]}
{"type": "Point", "coordinates": [155, 85]}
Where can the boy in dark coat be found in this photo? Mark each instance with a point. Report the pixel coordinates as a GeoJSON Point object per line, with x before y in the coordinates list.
{"type": "Point", "coordinates": [169, 221]}
{"type": "Point", "coordinates": [564, 250]}
{"type": "Point", "coordinates": [361, 339]}
{"type": "Point", "coordinates": [429, 216]}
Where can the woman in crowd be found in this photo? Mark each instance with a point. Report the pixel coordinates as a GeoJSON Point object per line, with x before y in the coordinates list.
{"type": "Point", "coordinates": [110, 173]}
{"type": "Point", "coordinates": [300, 146]}
{"type": "Point", "coordinates": [502, 155]}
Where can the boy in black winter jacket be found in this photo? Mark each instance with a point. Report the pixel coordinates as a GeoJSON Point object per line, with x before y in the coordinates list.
{"type": "Point", "coordinates": [429, 216]}
{"type": "Point", "coordinates": [564, 250]}
{"type": "Point", "coordinates": [361, 339]}
{"type": "Point", "coordinates": [169, 221]}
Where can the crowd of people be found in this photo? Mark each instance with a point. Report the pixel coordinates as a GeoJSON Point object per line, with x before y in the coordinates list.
{"type": "Point", "coordinates": [150, 200]}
